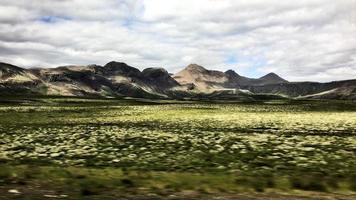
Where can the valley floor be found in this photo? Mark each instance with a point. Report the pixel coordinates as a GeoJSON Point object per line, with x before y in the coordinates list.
{"type": "Point", "coordinates": [74, 148]}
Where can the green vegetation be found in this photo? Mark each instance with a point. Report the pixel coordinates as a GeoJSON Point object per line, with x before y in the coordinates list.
{"type": "Point", "coordinates": [99, 146]}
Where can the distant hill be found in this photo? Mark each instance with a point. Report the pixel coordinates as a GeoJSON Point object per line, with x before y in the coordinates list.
{"type": "Point", "coordinates": [193, 82]}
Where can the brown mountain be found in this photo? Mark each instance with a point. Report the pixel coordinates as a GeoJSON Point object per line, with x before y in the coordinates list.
{"type": "Point", "coordinates": [208, 80]}
{"type": "Point", "coordinates": [201, 78]}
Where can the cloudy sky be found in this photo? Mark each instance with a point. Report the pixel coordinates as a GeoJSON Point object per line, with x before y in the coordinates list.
{"type": "Point", "coordinates": [300, 40]}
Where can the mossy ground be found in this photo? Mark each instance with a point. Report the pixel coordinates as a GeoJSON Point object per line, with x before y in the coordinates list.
{"type": "Point", "coordinates": [101, 148]}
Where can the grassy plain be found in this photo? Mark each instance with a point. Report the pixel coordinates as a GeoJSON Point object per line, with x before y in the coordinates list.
{"type": "Point", "coordinates": [75, 148]}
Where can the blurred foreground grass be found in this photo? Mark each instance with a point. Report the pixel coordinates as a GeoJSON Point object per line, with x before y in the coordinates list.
{"type": "Point", "coordinates": [79, 182]}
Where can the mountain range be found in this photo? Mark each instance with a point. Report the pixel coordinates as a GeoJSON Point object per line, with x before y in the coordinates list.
{"type": "Point", "coordinates": [117, 79]}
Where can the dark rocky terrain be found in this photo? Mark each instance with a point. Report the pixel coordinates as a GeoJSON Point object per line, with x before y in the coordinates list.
{"type": "Point", "coordinates": [119, 79]}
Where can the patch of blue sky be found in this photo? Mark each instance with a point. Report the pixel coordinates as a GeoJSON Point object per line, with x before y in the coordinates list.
{"type": "Point", "coordinates": [252, 64]}
{"type": "Point", "coordinates": [53, 19]}
{"type": "Point", "coordinates": [231, 59]}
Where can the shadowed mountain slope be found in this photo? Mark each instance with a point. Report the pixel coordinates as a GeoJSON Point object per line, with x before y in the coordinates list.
{"type": "Point", "coordinates": [16, 80]}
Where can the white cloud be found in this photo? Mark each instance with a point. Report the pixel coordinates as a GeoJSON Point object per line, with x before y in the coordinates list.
{"type": "Point", "coordinates": [300, 40]}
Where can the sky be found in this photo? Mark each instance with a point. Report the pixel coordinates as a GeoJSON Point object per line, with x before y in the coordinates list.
{"type": "Point", "coordinates": [300, 40]}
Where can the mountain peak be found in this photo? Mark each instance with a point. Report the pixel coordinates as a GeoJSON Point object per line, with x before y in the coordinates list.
{"type": "Point", "coordinates": [155, 72]}
{"type": "Point", "coordinates": [273, 78]}
{"type": "Point", "coordinates": [115, 64]}
{"type": "Point", "coordinates": [116, 68]}
{"type": "Point", "coordinates": [232, 73]}
{"type": "Point", "coordinates": [272, 74]}
{"type": "Point", "coordinates": [202, 78]}
{"type": "Point", "coordinates": [195, 68]}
